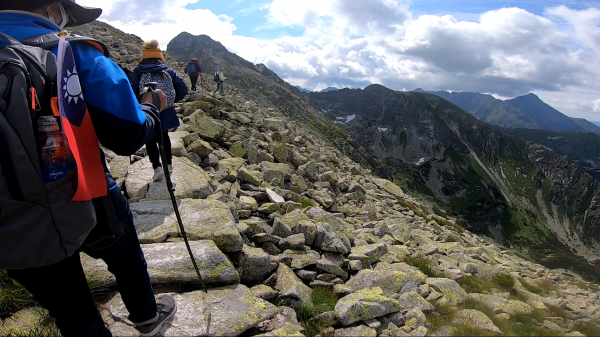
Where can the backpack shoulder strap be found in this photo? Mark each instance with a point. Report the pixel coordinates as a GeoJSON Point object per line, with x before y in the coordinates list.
{"type": "Point", "coordinates": [10, 40]}
{"type": "Point", "coordinates": [49, 41]}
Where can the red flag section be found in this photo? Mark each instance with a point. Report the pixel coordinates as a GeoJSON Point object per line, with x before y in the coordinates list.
{"type": "Point", "coordinates": [78, 127]}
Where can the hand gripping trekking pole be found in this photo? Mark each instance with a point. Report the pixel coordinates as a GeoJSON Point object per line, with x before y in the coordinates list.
{"type": "Point", "coordinates": [151, 87]}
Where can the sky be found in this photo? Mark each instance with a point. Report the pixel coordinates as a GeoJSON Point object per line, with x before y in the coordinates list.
{"type": "Point", "coordinates": [505, 48]}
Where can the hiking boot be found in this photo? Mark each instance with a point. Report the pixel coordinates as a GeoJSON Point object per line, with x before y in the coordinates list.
{"type": "Point", "coordinates": [170, 168]}
{"type": "Point", "coordinates": [166, 308]}
{"type": "Point", "coordinates": [158, 174]}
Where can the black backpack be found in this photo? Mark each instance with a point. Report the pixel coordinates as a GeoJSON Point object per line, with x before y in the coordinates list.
{"type": "Point", "coordinates": [39, 223]}
{"type": "Point", "coordinates": [217, 78]}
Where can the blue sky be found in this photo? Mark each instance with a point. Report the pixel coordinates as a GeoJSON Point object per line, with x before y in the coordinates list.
{"type": "Point", "coordinates": [504, 48]}
{"type": "Point", "coordinates": [250, 16]}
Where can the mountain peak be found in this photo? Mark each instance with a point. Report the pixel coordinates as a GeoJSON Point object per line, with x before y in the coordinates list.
{"type": "Point", "coordinates": [531, 96]}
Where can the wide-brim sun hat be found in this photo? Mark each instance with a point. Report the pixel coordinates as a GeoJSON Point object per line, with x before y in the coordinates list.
{"type": "Point", "coordinates": [194, 58]}
{"type": "Point", "coordinates": [80, 15]}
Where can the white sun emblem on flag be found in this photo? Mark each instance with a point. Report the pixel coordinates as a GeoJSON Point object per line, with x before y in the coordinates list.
{"type": "Point", "coordinates": [72, 88]}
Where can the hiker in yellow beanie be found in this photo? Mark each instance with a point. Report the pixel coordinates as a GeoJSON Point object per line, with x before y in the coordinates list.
{"type": "Point", "coordinates": [151, 50]}
{"type": "Point", "coordinates": [153, 69]}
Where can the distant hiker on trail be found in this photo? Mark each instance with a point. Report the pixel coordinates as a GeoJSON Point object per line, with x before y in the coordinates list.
{"type": "Point", "coordinates": [153, 69]}
{"type": "Point", "coordinates": [219, 78]}
{"type": "Point", "coordinates": [193, 70]}
{"type": "Point", "coordinates": [40, 242]}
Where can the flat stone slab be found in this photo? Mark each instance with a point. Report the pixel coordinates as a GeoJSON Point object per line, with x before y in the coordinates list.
{"type": "Point", "coordinates": [478, 319]}
{"type": "Point", "coordinates": [503, 305]}
{"type": "Point", "coordinates": [288, 330]}
{"type": "Point", "coordinates": [139, 175]}
{"type": "Point", "coordinates": [233, 310]}
{"type": "Point", "coordinates": [300, 259]}
{"type": "Point", "coordinates": [274, 197]}
{"type": "Point", "coordinates": [155, 221]}
{"type": "Point", "coordinates": [389, 187]}
{"type": "Point", "coordinates": [453, 293]}
{"type": "Point", "coordinates": [370, 253]}
{"type": "Point", "coordinates": [171, 263]}
{"type": "Point", "coordinates": [389, 281]}
{"type": "Point", "coordinates": [189, 179]}
{"type": "Point", "coordinates": [413, 272]}
{"type": "Point", "coordinates": [413, 300]}
{"type": "Point", "coordinates": [25, 322]}
{"type": "Point", "coordinates": [357, 331]}
{"type": "Point", "coordinates": [291, 288]}
{"type": "Point", "coordinates": [363, 305]}
{"type": "Point", "coordinates": [318, 214]}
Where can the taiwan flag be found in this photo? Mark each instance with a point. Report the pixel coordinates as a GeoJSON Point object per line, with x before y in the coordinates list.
{"type": "Point", "coordinates": [78, 128]}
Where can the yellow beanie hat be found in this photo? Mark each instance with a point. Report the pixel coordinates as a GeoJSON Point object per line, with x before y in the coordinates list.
{"type": "Point", "coordinates": [151, 50]}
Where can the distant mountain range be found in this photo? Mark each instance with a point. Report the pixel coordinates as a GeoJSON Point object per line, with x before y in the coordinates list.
{"type": "Point", "coordinates": [527, 112]}
{"type": "Point", "coordinates": [493, 182]}
{"type": "Point", "coordinates": [302, 89]}
{"type": "Point", "coordinates": [306, 91]}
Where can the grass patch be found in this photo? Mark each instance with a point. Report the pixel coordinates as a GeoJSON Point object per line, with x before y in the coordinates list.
{"type": "Point", "coordinates": [44, 328]}
{"type": "Point", "coordinates": [275, 301]}
{"type": "Point", "coordinates": [500, 281]}
{"type": "Point", "coordinates": [99, 289]}
{"type": "Point", "coordinates": [322, 300]}
{"type": "Point", "coordinates": [530, 287]}
{"type": "Point", "coordinates": [587, 329]}
{"type": "Point", "coordinates": [556, 311]}
{"type": "Point", "coordinates": [306, 312]}
{"type": "Point", "coordinates": [420, 211]}
{"type": "Point", "coordinates": [334, 162]}
{"type": "Point", "coordinates": [306, 202]}
{"type": "Point", "coordinates": [425, 265]}
{"type": "Point", "coordinates": [312, 328]}
{"type": "Point", "coordinates": [547, 286]}
{"type": "Point", "coordinates": [451, 224]}
{"type": "Point", "coordinates": [13, 296]}
{"type": "Point", "coordinates": [472, 284]}
{"type": "Point", "coordinates": [541, 287]}
{"type": "Point", "coordinates": [463, 330]}
{"type": "Point", "coordinates": [443, 314]}
{"type": "Point", "coordinates": [504, 281]}
{"type": "Point", "coordinates": [517, 325]}
{"type": "Point", "coordinates": [527, 325]}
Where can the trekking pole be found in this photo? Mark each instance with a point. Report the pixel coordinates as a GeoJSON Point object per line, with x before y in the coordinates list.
{"type": "Point", "coordinates": [151, 87]}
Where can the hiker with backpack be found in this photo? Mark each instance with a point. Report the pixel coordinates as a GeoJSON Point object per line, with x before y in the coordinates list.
{"type": "Point", "coordinates": [44, 225]}
{"type": "Point", "coordinates": [153, 69]}
{"type": "Point", "coordinates": [219, 78]}
{"type": "Point", "coordinates": [193, 70]}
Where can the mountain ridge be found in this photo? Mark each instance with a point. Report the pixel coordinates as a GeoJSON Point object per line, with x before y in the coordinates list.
{"type": "Point", "coordinates": [431, 130]}
{"type": "Point", "coordinates": [297, 105]}
{"type": "Point", "coordinates": [527, 112]}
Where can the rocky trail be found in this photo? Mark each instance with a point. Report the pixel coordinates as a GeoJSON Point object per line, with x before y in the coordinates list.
{"type": "Point", "coordinates": [276, 216]}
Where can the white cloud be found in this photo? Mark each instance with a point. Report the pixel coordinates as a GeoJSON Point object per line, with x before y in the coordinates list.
{"type": "Point", "coordinates": [162, 19]}
{"type": "Point", "coordinates": [596, 106]}
{"type": "Point", "coordinates": [583, 23]}
{"type": "Point", "coordinates": [339, 17]}
{"type": "Point", "coordinates": [505, 52]}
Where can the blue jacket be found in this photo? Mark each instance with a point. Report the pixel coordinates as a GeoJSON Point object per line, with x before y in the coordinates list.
{"type": "Point", "coordinates": [121, 123]}
{"type": "Point", "coordinates": [168, 117]}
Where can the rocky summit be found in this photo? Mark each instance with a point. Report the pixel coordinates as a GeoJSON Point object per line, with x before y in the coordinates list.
{"type": "Point", "coordinates": [294, 238]}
